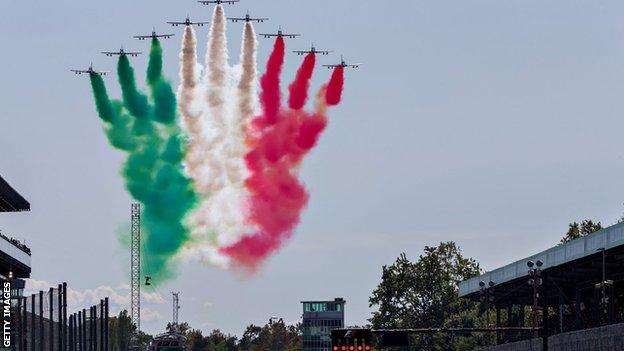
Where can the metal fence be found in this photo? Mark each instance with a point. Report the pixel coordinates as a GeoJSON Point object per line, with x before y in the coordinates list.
{"type": "Point", "coordinates": [42, 323]}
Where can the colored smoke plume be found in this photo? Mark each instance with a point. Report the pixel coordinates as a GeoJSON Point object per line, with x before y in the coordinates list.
{"type": "Point", "coordinates": [145, 127]}
{"type": "Point", "coordinates": [335, 87]}
{"type": "Point", "coordinates": [279, 139]}
{"type": "Point", "coordinates": [227, 108]}
{"type": "Point", "coordinates": [299, 88]}
{"type": "Point", "coordinates": [235, 196]}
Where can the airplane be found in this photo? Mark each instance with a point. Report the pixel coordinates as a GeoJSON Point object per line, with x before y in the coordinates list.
{"type": "Point", "coordinates": [188, 22]}
{"type": "Point", "coordinates": [343, 64]}
{"type": "Point", "coordinates": [218, 2]}
{"type": "Point", "coordinates": [312, 51]}
{"type": "Point", "coordinates": [247, 18]}
{"type": "Point", "coordinates": [121, 52]}
{"type": "Point", "coordinates": [281, 34]}
{"type": "Point", "coordinates": [89, 71]}
{"type": "Point", "coordinates": [153, 36]}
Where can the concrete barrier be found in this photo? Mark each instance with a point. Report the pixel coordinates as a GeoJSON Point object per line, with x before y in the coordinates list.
{"type": "Point", "coordinates": [607, 338]}
{"type": "Point", "coordinates": [525, 345]}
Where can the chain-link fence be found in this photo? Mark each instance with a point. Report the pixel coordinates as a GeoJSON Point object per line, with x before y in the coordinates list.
{"type": "Point", "coordinates": [42, 323]}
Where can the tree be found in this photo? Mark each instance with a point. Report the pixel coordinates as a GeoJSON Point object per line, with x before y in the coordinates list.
{"type": "Point", "coordinates": [576, 230]}
{"type": "Point", "coordinates": [195, 340]}
{"type": "Point", "coordinates": [121, 330]}
{"type": "Point", "coordinates": [424, 294]}
{"type": "Point", "coordinates": [250, 337]}
{"type": "Point", "coordinates": [217, 341]}
{"type": "Point", "coordinates": [274, 336]}
{"type": "Point", "coordinates": [183, 328]}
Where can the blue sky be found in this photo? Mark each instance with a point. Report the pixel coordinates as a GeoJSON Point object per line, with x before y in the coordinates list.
{"type": "Point", "coordinates": [491, 123]}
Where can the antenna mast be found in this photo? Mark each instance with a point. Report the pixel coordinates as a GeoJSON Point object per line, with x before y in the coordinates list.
{"type": "Point", "coordinates": [135, 270]}
{"type": "Point", "coordinates": [176, 307]}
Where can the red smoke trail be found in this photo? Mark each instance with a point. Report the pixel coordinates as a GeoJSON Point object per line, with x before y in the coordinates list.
{"type": "Point", "coordinates": [279, 139]}
{"type": "Point", "coordinates": [334, 88]}
{"type": "Point", "coordinates": [299, 87]}
{"type": "Point", "coordinates": [270, 82]}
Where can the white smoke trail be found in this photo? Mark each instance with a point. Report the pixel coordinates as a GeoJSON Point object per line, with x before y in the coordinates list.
{"type": "Point", "coordinates": [190, 114]}
{"type": "Point", "coordinates": [218, 220]}
{"type": "Point", "coordinates": [217, 72]}
{"type": "Point", "coordinates": [244, 109]}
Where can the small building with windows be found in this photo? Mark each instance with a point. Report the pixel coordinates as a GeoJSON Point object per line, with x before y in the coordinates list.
{"type": "Point", "coordinates": [319, 319]}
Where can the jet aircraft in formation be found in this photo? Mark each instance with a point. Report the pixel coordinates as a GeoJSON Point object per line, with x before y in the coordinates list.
{"type": "Point", "coordinates": [154, 35]}
{"type": "Point", "coordinates": [247, 19]}
{"type": "Point", "coordinates": [121, 52]}
{"type": "Point", "coordinates": [218, 2]}
{"type": "Point", "coordinates": [343, 64]}
{"type": "Point", "coordinates": [187, 22]}
{"type": "Point", "coordinates": [89, 71]}
{"type": "Point", "coordinates": [313, 50]}
{"type": "Point", "coordinates": [280, 34]}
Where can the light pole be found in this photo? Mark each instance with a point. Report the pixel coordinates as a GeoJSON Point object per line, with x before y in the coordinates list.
{"type": "Point", "coordinates": [604, 301]}
{"type": "Point", "coordinates": [487, 296]}
{"type": "Point", "coordinates": [535, 272]}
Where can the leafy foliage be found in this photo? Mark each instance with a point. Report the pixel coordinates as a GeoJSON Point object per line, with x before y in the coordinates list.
{"type": "Point", "coordinates": [424, 294]}
{"type": "Point", "coordinates": [576, 230]}
{"type": "Point", "coordinates": [120, 331]}
{"type": "Point", "coordinates": [274, 336]}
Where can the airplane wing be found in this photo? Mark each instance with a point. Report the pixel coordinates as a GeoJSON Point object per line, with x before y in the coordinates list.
{"type": "Point", "coordinates": [164, 36]}
{"type": "Point", "coordinates": [319, 52]}
{"type": "Point", "coordinates": [175, 24]}
{"type": "Point", "coordinates": [354, 65]}
{"type": "Point", "coordinates": [79, 71]}
{"type": "Point", "coordinates": [117, 53]}
{"type": "Point", "coordinates": [332, 66]}
{"type": "Point", "coordinates": [259, 20]}
{"type": "Point", "coordinates": [236, 19]}
{"type": "Point", "coordinates": [142, 37]}
{"type": "Point", "coordinates": [292, 36]}
{"type": "Point", "coordinates": [201, 24]}
{"type": "Point", "coordinates": [230, 2]}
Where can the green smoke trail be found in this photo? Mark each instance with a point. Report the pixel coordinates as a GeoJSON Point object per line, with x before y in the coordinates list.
{"type": "Point", "coordinates": [146, 128]}
{"type": "Point", "coordinates": [154, 67]}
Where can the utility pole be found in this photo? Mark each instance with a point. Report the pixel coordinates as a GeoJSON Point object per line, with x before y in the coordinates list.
{"type": "Point", "coordinates": [135, 272]}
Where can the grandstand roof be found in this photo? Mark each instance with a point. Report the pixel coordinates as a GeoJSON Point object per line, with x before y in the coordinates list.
{"type": "Point", "coordinates": [568, 259]}
{"type": "Point", "coordinates": [11, 200]}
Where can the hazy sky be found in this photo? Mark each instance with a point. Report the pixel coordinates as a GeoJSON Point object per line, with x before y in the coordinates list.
{"type": "Point", "coordinates": [491, 123]}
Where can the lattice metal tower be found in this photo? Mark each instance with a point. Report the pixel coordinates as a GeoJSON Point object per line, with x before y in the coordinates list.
{"type": "Point", "coordinates": [176, 307]}
{"type": "Point", "coordinates": [135, 266]}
